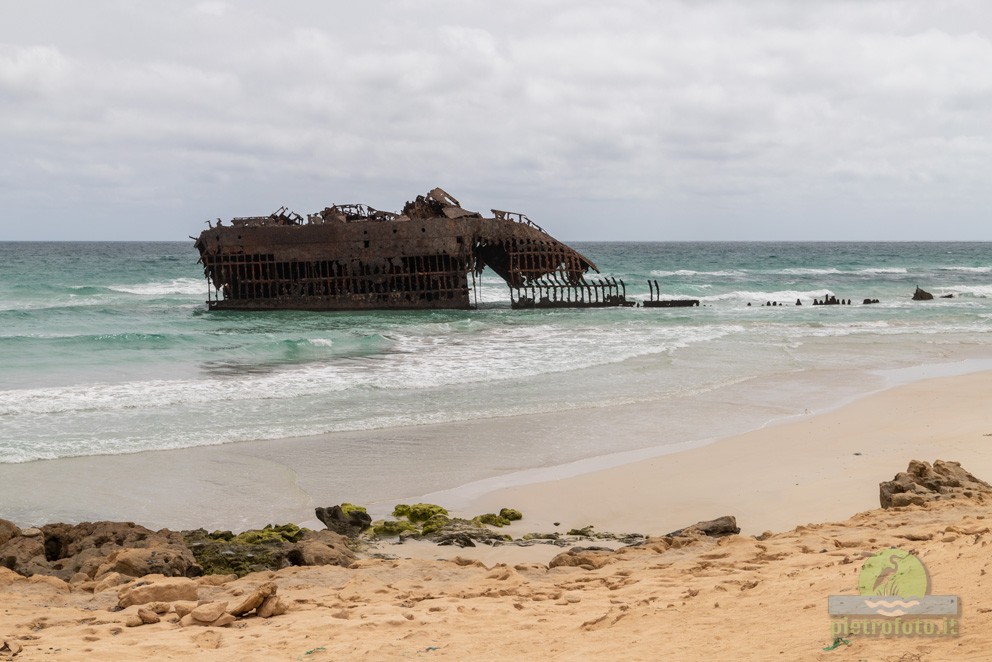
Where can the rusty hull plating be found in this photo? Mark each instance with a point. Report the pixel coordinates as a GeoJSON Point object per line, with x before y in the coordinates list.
{"type": "Point", "coordinates": [353, 257]}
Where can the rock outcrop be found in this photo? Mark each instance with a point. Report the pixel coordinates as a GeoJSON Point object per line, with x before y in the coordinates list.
{"type": "Point", "coordinates": [587, 558]}
{"type": "Point", "coordinates": [100, 555]}
{"type": "Point", "coordinates": [922, 483]}
{"type": "Point", "coordinates": [94, 549]}
{"type": "Point", "coordinates": [271, 548]}
{"type": "Point", "coordinates": [346, 519]}
{"type": "Point", "coordinates": [921, 295]}
{"type": "Point", "coordinates": [716, 528]}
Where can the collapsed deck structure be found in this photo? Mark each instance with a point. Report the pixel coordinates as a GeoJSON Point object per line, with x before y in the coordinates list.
{"type": "Point", "coordinates": [353, 257]}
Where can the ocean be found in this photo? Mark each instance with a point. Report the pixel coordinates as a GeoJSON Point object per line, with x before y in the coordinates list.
{"type": "Point", "coordinates": [108, 348]}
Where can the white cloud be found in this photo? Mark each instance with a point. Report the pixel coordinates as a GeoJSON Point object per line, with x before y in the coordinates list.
{"type": "Point", "coordinates": [731, 116]}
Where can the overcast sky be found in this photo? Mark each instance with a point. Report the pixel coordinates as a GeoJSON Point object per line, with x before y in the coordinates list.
{"type": "Point", "coordinates": [620, 120]}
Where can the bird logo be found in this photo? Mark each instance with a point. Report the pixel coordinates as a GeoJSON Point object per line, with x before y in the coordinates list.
{"type": "Point", "coordinates": [896, 578]}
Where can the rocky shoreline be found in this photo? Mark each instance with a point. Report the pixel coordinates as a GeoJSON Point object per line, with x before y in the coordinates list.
{"type": "Point", "coordinates": [79, 589]}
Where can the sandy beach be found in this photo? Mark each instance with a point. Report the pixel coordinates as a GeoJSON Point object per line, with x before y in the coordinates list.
{"type": "Point", "coordinates": [812, 481]}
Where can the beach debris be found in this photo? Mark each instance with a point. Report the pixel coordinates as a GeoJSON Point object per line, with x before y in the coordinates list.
{"type": "Point", "coordinates": [347, 519]}
{"type": "Point", "coordinates": [716, 528]}
{"type": "Point", "coordinates": [831, 300]}
{"type": "Point", "coordinates": [837, 642]}
{"type": "Point", "coordinates": [922, 483]}
{"type": "Point", "coordinates": [654, 299]}
{"type": "Point", "coordinates": [553, 291]}
{"type": "Point", "coordinates": [921, 295]}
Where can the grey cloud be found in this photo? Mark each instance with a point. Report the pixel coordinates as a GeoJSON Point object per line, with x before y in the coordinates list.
{"type": "Point", "coordinates": [665, 110]}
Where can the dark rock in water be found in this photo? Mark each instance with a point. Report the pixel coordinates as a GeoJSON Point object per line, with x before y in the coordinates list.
{"type": "Point", "coordinates": [922, 483]}
{"type": "Point", "coordinates": [350, 522]}
{"type": "Point", "coordinates": [717, 528]}
{"type": "Point", "coordinates": [921, 295]}
{"type": "Point", "coordinates": [946, 296]}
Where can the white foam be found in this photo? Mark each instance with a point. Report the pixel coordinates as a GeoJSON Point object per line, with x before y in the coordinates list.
{"type": "Point", "coordinates": [184, 286]}
{"type": "Point", "coordinates": [870, 271]}
{"type": "Point", "coordinates": [977, 291]}
{"type": "Point", "coordinates": [967, 270]}
{"type": "Point", "coordinates": [689, 273]}
{"type": "Point", "coordinates": [431, 358]}
{"type": "Point", "coordinates": [788, 296]}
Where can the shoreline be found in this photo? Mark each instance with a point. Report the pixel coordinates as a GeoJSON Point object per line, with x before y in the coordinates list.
{"type": "Point", "coordinates": [818, 468]}
{"type": "Point", "coordinates": [221, 487]}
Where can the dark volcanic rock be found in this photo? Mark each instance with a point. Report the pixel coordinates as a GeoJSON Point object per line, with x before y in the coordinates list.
{"type": "Point", "coordinates": [922, 483]}
{"type": "Point", "coordinates": [465, 533]}
{"type": "Point", "coordinates": [921, 295]}
{"type": "Point", "coordinates": [350, 523]}
{"type": "Point", "coordinates": [95, 548]}
{"type": "Point", "coordinates": [272, 548]}
{"type": "Point", "coordinates": [717, 528]}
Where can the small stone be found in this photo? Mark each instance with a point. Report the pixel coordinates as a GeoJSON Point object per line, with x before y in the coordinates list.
{"type": "Point", "coordinates": [183, 607]}
{"type": "Point", "coordinates": [109, 580]}
{"type": "Point", "coordinates": [32, 532]}
{"type": "Point", "coordinates": [133, 621]}
{"type": "Point", "coordinates": [78, 578]}
{"type": "Point", "coordinates": [223, 621]}
{"type": "Point", "coordinates": [271, 606]}
{"type": "Point", "coordinates": [147, 616]}
{"type": "Point", "coordinates": [159, 607]}
{"type": "Point", "coordinates": [166, 590]}
{"type": "Point", "coordinates": [253, 601]}
{"type": "Point", "coordinates": [209, 612]}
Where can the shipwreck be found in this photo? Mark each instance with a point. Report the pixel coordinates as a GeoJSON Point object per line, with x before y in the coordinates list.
{"type": "Point", "coordinates": [429, 256]}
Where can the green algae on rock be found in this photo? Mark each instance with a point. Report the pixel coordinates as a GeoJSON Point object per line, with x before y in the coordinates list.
{"type": "Point", "coordinates": [418, 512]}
{"type": "Point", "coordinates": [511, 514]}
{"type": "Point", "coordinates": [392, 528]}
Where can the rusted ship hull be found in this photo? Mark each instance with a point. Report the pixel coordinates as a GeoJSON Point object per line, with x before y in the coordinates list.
{"type": "Point", "coordinates": [351, 257]}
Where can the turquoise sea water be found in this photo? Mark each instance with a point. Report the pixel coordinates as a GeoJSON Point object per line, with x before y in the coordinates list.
{"type": "Point", "coordinates": [108, 348]}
